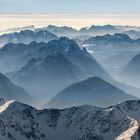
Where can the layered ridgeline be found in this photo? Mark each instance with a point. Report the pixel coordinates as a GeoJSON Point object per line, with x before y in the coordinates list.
{"type": "Point", "coordinates": [61, 31]}
{"type": "Point", "coordinates": [93, 91]}
{"type": "Point", "coordinates": [92, 30]}
{"type": "Point", "coordinates": [8, 90]}
{"type": "Point", "coordinates": [116, 42]}
{"type": "Point", "coordinates": [131, 72]}
{"type": "Point", "coordinates": [112, 38]}
{"type": "Point", "coordinates": [55, 66]}
{"type": "Point", "coordinates": [26, 37]}
{"type": "Point", "coordinates": [77, 123]}
{"type": "Point", "coordinates": [48, 68]}
{"type": "Point", "coordinates": [45, 77]}
{"type": "Point", "coordinates": [100, 30]}
{"type": "Point", "coordinates": [78, 56]}
{"type": "Point", "coordinates": [110, 49]}
{"type": "Point", "coordinates": [14, 56]}
{"type": "Point", "coordinates": [83, 32]}
{"type": "Point", "coordinates": [112, 43]}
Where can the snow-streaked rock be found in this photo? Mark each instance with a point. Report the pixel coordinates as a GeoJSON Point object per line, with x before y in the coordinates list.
{"type": "Point", "coordinates": [120, 122]}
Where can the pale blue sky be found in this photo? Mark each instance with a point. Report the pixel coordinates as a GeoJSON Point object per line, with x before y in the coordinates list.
{"type": "Point", "coordinates": [70, 6]}
{"type": "Point", "coordinates": [75, 13]}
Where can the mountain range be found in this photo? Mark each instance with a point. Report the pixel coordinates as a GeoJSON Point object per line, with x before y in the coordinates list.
{"type": "Point", "coordinates": [82, 33]}
{"type": "Point", "coordinates": [26, 37]}
{"type": "Point", "coordinates": [99, 30]}
{"type": "Point", "coordinates": [14, 56]}
{"type": "Point", "coordinates": [120, 122]}
{"type": "Point", "coordinates": [71, 32]}
{"type": "Point", "coordinates": [57, 64]}
{"type": "Point", "coordinates": [86, 82]}
{"type": "Point", "coordinates": [115, 39]}
{"type": "Point", "coordinates": [78, 56]}
{"type": "Point", "coordinates": [44, 65]}
{"type": "Point", "coordinates": [93, 30]}
{"type": "Point", "coordinates": [109, 49]}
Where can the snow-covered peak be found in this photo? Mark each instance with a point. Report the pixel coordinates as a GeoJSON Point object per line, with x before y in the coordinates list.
{"type": "Point", "coordinates": [87, 122]}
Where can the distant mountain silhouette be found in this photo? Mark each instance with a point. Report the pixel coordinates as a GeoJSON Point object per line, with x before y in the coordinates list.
{"type": "Point", "coordinates": [26, 37]}
{"type": "Point", "coordinates": [93, 91]}
{"type": "Point", "coordinates": [8, 90]}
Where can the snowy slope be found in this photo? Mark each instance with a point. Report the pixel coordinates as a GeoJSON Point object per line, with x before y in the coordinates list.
{"type": "Point", "coordinates": [20, 121]}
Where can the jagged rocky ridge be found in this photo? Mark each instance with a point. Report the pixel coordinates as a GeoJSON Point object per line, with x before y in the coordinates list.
{"type": "Point", "coordinates": [77, 123]}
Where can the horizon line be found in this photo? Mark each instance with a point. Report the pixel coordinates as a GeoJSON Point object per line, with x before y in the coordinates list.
{"type": "Point", "coordinates": [67, 19]}
{"type": "Point", "coordinates": [77, 13]}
